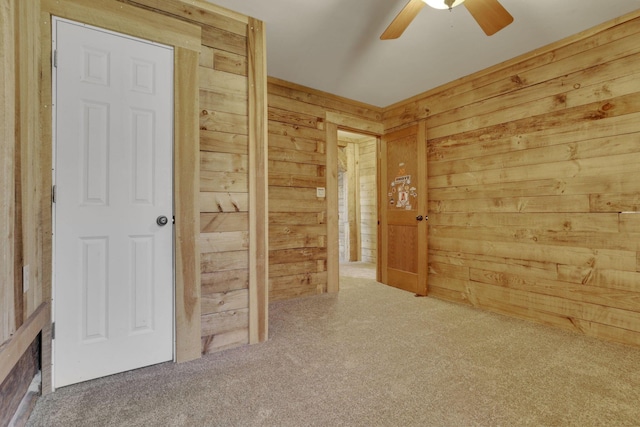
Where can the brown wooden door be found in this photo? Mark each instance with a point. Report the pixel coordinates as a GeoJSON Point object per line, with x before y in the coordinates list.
{"type": "Point", "coordinates": [403, 209]}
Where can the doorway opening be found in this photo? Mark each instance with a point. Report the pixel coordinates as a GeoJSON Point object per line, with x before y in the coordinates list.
{"type": "Point", "coordinates": [357, 204]}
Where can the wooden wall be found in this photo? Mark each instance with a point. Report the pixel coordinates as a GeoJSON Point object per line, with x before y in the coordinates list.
{"type": "Point", "coordinates": [224, 187]}
{"type": "Point", "coordinates": [231, 44]}
{"type": "Point", "coordinates": [231, 111]}
{"type": "Point", "coordinates": [24, 310]}
{"type": "Point", "coordinates": [533, 184]}
{"type": "Point", "coordinates": [7, 168]}
{"type": "Point", "coordinates": [297, 166]}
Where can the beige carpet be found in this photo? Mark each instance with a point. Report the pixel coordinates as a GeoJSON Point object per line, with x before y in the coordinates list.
{"type": "Point", "coordinates": [373, 356]}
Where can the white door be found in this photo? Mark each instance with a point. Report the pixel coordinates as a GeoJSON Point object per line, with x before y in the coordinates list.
{"type": "Point", "coordinates": [113, 175]}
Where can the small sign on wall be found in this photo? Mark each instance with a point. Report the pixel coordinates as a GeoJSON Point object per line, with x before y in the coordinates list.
{"type": "Point", "coordinates": [320, 192]}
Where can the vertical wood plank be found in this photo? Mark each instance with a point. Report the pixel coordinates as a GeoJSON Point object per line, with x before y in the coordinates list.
{"type": "Point", "coordinates": [7, 178]}
{"type": "Point", "coordinates": [35, 157]}
{"type": "Point", "coordinates": [258, 183]}
{"type": "Point", "coordinates": [187, 181]}
{"type": "Point", "coordinates": [41, 58]}
{"type": "Point", "coordinates": [331, 194]}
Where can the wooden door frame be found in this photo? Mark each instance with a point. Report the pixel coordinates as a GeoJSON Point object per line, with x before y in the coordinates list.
{"type": "Point", "coordinates": [185, 38]}
{"type": "Point", "coordinates": [333, 122]}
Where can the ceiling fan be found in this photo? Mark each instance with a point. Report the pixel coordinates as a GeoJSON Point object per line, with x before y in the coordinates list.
{"type": "Point", "coordinates": [489, 14]}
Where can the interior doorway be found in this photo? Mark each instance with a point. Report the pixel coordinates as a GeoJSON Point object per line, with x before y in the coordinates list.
{"type": "Point", "coordinates": [113, 205]}
{"type": "Point", "coordinates": [357, 198]}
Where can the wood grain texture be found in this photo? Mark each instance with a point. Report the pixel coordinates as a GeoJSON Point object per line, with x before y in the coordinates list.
{"type": "Point", "coordinates": [7, 168]}
{"type": "Point", "coordinates": [12, 350]}
{"type": "Point", "coordinates": [299, 152]}
{"type": "Point", "coordinates": [15, 386]}
{"type": "Point", "coordinates": [186, 166]}
{"type": "Point", "coordinates": [258, 183]}
{"type": "Point", "coordinates": [333, 272]}
{"type": "Point", "coordinates": [530, 165]}
{"type": "Point", "coordinates": [127, 19]}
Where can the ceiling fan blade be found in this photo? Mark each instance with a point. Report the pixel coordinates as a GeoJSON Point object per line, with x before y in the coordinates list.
{"type": "Point", "coordinates": [402, 21]}
{"type": "Point", "coordinates": [490, 15]}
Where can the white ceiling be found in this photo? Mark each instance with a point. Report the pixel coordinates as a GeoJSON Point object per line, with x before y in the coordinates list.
{"type": "Point", "coordinates": [335, 46]}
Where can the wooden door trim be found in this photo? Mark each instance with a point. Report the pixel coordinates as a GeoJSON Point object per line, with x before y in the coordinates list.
{"type": "Point", "coordinates": [185, 38]}
{"type": "Point", "coordinates": [333, 122]}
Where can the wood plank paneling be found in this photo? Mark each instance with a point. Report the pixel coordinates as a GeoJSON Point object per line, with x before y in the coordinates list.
{"type": "Point", "coordinates": [530, 165]}
{"type": "Point", "coordinates": [25, 98]}
{"type": "Point", "coordinates": [7, 168]}
{"type": "Point", "coordinates": [228, 149]}
{"type": "Point", "coordinates": [303, 227]}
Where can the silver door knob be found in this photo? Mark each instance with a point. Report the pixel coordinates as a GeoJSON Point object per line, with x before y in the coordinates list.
{"type": "Point", "coordinates": [162, 220]}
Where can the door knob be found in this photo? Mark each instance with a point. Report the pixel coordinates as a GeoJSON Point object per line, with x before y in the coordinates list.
{"type": "Point", "coordinates": [419, 218]}
{"type": "Point", "coordinates": [162, 220]}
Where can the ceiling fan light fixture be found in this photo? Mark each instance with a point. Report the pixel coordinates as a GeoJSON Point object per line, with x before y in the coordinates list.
{"type": "Point", "coordinates": [442, 4]}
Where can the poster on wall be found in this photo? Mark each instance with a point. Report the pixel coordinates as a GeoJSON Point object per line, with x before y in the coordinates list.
{"type": "Point", "coordinates": [401, 194]}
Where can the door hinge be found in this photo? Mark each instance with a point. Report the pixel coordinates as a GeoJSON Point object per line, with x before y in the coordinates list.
{"type": "Point", "coordinates": [55, 59]}
{"type": "Point", "coordinates": [53, 194]}
{"type": "Point", "coordinates": [53, 330]}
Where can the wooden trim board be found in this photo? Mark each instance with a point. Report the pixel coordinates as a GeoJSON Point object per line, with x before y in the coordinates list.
{"type": "Point", "coordinates": [12, 350]}
{"type": "Point", "coordinates": [258, 184]}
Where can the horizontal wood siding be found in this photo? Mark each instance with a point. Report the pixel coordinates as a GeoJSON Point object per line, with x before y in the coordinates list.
{"type": "Point", "coordinates": [224, 189]}
{"type": "Point", "coordinates": [297, 166]}
{"type": "Point", "coordinates": [228, 139]}
{"type": "Point", "coordinates": [533, 184]}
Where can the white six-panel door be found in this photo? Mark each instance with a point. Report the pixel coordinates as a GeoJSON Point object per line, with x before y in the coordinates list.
{"type": "Point", "coordinates": [113, 263]}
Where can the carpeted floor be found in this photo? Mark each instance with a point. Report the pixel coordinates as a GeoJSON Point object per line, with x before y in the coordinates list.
{"type": "Point", "coordinates": [373, 356]}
